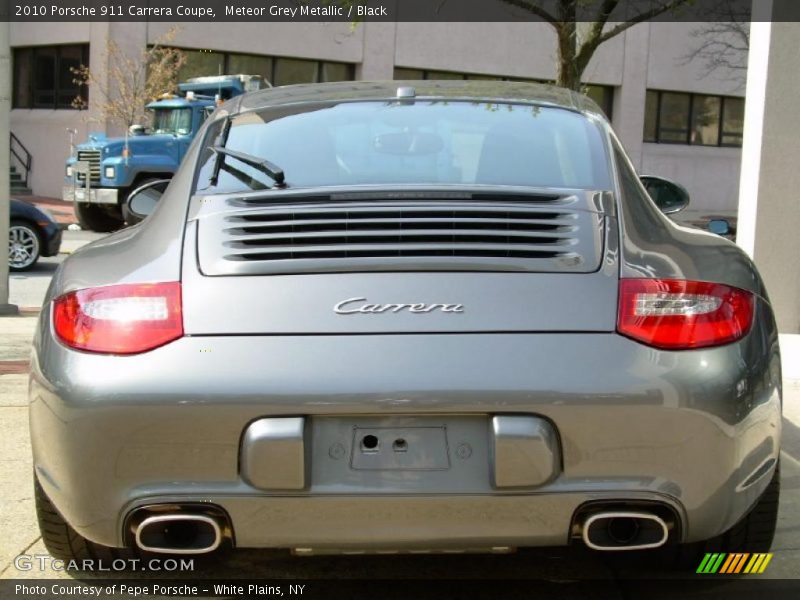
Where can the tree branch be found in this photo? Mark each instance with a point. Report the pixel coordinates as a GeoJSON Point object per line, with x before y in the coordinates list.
{"type": "Point", "coordinates": [532, 8]}
{"type": "Point", "coordinates": [723, 48]}
{"type": "Point", "coordinates": [641, 17]}
{"type": "Point", "coordinates": [602, 16]}
{"type": "Point", "coordinates": [593, 40]}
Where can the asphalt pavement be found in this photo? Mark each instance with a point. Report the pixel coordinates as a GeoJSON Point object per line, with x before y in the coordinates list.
{"type": "Point", "coordinates": [19, 534]}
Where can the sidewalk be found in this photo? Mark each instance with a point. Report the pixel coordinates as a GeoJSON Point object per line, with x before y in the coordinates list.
{"type": "Point", "coordinates": [62, 211]}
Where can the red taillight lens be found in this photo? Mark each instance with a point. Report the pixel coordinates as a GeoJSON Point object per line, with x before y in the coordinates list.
{"type": "Point", "coordinates": [679, 315]}
{"type": "Point", "coordinates": [119, 319]}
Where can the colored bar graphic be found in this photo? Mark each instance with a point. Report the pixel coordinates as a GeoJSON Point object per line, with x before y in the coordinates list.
{"type": "Point", "coordinates": [768, 557]}
{"type": "Point", "coordinates": [741, 562]}
{"type": "Point", "coordinates": [717, 563]}
{"type": "Point", "coordinates": [704, 564]}
{"type": "Point", "coordinates": [729, 562]}
{"type": "Point", "coordinates": [751, 564]}
{"type": "Point", "coordinates": [724, 563]}
{"type": "Point", "coordinates": [711, 563]}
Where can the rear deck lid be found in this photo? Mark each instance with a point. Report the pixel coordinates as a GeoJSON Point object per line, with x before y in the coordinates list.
{"type": "Point", "coordinates": [400, 261]}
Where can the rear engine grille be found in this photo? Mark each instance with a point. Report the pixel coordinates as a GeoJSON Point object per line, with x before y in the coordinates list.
{"type": "Point", "coordinates": [93, 158]}
{"type": "Point", "coordinates": [401, 236]}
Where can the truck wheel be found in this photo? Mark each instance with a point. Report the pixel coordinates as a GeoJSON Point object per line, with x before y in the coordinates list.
{"type": "Point", "coordinates": [94, 218]}
{"type": "Point", "coordinates": [62, 541]}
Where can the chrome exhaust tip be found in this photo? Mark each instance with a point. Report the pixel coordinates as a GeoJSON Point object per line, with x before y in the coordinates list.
{"type": "Point", "coordinates": [623, 530]}
{"type": "Point", "coordinates": [178, 534]}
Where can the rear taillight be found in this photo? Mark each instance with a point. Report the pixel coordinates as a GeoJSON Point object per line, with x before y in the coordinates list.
{"type": "Point", "coordinates": [119, 319]}
{"type": "Point", "coordinates": [677, 315]}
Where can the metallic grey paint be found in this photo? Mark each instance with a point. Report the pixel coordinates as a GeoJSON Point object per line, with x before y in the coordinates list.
{"type": "Point", "coordinates": [273, 454]}
{"type": "Point", "coordinates": [525, 451]}
{"type": "Point", "coordinates": [694, 431]}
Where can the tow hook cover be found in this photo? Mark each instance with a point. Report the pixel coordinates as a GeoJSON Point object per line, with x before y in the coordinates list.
{"type": "Point", "coordinates": [525, 451]}
{"type": "Point", "coordinates": [273, 454]}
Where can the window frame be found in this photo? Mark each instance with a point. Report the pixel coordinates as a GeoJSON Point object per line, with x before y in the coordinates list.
{"type": "Point", "coordinates": [722, 133]}
{"type": "Point", "coordinates": [32, 87]}
{"type": "Point", "coordinates": [319, 67]}
{"type": "Point", "coordinates": [689, 119]}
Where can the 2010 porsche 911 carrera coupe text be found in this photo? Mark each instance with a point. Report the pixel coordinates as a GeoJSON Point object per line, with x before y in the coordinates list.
{"type": "Point", "coordinates": [417, 316]}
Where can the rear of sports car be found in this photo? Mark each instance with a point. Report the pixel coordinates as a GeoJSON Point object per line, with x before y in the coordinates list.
{"type": "Point", "coordinates": [421, 324]}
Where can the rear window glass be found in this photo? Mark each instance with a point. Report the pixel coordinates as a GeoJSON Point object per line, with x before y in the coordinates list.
{"type": "Point", "coordinates": [421, 142]}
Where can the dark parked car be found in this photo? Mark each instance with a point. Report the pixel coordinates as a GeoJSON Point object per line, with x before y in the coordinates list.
{"type": "Point", "coordinates": [416, 316]}
{"type": "Point", "coordinates": [32, 233]}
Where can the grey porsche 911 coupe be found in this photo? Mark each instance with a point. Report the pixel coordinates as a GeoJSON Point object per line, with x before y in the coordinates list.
{"type": "Point", "coordinates": [406, 316]}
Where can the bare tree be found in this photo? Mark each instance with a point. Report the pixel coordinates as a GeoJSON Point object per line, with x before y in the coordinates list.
{"type": "Point", "coordinates": [132, 81]}
{"type": "Point", "coordinates": [723, 49]}
{"type": "Point", "coordinates": [581, 26]}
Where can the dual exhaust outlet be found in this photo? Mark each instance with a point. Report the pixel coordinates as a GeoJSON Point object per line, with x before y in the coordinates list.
{"type": "Point", "coordinates": [179, 533]}
{"type": "Point", "coordinates": [197, 533]}
{"type": "Point", "coordinates": [624, 530]}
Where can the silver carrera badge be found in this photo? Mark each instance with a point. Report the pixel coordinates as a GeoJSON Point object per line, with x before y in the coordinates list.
{"type": "Point", "coordinates": [354, 306]}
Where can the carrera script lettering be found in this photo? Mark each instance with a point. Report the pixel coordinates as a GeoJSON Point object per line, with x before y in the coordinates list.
{"type": "Point", "coordinates": [351, 306]}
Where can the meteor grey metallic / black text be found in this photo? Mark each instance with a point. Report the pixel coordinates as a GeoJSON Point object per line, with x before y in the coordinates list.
{"type": "Point", "coordinates": [417, 316]}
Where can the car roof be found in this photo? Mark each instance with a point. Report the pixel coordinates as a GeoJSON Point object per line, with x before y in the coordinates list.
{"type": "Point", "coordinates": [504, 91]}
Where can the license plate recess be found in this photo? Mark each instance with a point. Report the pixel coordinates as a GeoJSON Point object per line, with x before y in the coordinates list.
{"type": "Point", "coordinates": [400, 448]}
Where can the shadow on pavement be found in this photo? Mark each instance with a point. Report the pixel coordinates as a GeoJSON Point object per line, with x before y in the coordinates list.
{"type": "Point", "coordinates": [44, 268]}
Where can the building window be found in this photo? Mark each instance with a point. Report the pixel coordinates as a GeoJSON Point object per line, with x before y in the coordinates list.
{"type": "Point", "coordinates": [248, 64]}
{"type": "Point", "coordinates": [706, 113]}
{"type": "Point", "coordinates": [732, 121]}
{"type": "Point", "coordinates": [275, 69]}
{"type": "Point", "coordinates": [695, 119]}
{"type": "Point", "coordinates": [603, 95]}
{"type": "Point", "coordinates": [401, 73]}
{"type": "Point", "coordinates": [44, 76]}
{"type": "Point", "coordinates": [201, 63]}
{"type": "Point", "coordinates": [673, 123]}
{"type": "Point", "coordinates": [407, 73]}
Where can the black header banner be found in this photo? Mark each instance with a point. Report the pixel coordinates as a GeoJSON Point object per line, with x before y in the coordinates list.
{"type": "Point", "coordinates": [396, 10]}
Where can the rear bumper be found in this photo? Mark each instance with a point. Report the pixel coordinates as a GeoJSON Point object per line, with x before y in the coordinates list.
{"type": "Point", "coordinates": [95, 196]}
{"type": "Point", "coordinates": [684, 429]}
{"type": "Point", "coordinates": [320, 524]}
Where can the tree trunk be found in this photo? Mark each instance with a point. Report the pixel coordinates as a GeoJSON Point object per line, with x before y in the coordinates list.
{"type": "Point", "coordinates": [569, 73]}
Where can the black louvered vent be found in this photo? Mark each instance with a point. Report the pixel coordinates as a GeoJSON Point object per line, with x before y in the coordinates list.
{"type": "Point", "coordinates": [401, 235]}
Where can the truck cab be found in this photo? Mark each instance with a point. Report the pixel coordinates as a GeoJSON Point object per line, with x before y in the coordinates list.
{"type": "Point", "coordinates": [103, 171]}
